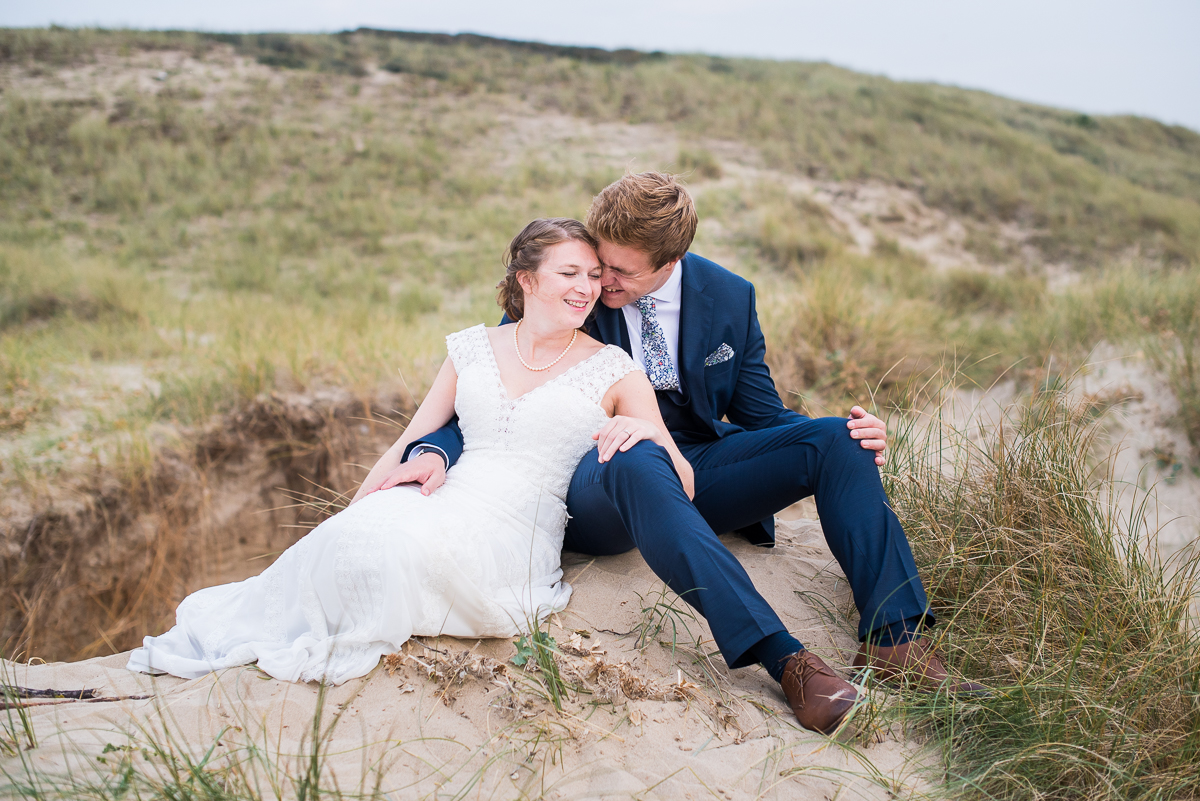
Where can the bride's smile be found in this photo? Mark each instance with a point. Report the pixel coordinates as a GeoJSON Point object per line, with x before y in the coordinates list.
{"type": "Point", "coordinates": [560, 294]}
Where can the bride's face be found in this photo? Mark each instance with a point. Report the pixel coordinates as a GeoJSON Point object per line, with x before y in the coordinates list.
{"type": "Point", "coordinates": [565, 286]}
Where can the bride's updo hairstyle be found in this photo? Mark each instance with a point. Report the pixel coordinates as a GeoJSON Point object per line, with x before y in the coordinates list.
{"type": "Point", "coordinates": [526, 253]}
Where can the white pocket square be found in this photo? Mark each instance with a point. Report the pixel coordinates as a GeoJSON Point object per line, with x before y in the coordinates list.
{"type": "Point", "coordinates": [721, 354]}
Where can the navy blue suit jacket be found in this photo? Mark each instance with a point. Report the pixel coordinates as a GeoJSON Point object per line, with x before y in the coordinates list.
{"type": "Point", "coordinates": [716, 308]}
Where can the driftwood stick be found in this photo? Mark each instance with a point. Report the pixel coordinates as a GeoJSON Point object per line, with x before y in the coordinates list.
{"type": "Point", "coordinates": [56, 701]}
{"type": "Point", "coordinates": [11, 694]}
{"type": "Point", "coordinates": [11, 691]}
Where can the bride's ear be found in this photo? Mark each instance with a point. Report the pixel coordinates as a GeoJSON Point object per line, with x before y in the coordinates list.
{"type": "Point", "coordinates": [527, 281]}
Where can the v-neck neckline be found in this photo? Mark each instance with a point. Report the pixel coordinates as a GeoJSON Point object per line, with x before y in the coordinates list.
{"type": "Point", "coordinates": [504, 393]}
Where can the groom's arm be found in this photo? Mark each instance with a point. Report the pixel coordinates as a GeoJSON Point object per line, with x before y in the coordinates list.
{"type": "Point", "coordinates": [447, 442]}
{"type": "Point", "coordinates": [755, 403]}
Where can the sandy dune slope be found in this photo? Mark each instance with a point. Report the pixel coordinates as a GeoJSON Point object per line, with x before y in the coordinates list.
{"type": "Point", "coordinates": [453, 718]}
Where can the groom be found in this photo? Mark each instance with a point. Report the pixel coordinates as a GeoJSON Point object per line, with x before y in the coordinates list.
{"type": "Point", "coordinates": [692, 325]}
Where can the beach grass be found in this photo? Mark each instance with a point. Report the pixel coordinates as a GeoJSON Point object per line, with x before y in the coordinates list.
{"type": "Point", "coordinates": [1052, 593]}
{"type": "Point", "coordinates": [246, 229]}
{"type": "Point", "coordinates": [191, 222]}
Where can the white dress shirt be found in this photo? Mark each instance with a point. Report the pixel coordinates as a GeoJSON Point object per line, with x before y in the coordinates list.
{"type": "Point", "coordinates": [666, 309]}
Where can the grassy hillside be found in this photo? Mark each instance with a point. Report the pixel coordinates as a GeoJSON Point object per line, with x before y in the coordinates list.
{"type": "Point", "coordinates": [1090, 186]}
{"type": "Point", "coordinates": [296, 218]}
{"type": "Point", "coordinates": [189, 221]}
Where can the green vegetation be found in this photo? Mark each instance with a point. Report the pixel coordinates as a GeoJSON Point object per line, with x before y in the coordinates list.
{"type": "Point", "coordinates": [1088, 185]}
{"type": "Point", "coordinates": [288, 198]}
{"type": "Point", "coordinates": [234, 230]}
{"type": "Point", "coordinates": [188, 221]}
{"type": "Point", "coordinates": [1053, 598]}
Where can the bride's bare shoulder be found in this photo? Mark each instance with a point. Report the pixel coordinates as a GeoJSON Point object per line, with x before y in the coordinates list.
{"type": "Point", "coordinates": [498, 333]}
{"type": "Point", "coordinates": [589, 345]}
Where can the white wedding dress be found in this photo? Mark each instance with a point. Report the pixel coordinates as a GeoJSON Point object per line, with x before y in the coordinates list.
{"type": "Point", "coordinates": [477, 558]}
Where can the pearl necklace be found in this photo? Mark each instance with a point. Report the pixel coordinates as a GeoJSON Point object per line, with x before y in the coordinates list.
{"type": "Point", "coordinates": [517, 345]}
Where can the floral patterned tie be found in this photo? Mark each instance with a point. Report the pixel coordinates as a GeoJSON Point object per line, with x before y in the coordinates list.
{"type": "Point", "coordinates": [654, 344]}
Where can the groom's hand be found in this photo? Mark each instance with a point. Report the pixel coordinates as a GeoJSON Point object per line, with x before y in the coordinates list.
{"type": "Point", "coordinates": [428, 470]}
{"type": "Point", "coordinates": [870, 431]}
{"type": "Point", "coordinates": [621, 433]}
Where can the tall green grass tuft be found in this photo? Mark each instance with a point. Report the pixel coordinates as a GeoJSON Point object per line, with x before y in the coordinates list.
{"type": "Point", "coordinates": [536, 651]}
{"type": "Point", "coordinates": [16, 725]}
{"type": "Point", "coordinates": [1056, 599]}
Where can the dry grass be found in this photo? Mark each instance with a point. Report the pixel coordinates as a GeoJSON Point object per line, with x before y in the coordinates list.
{"type": "Point", "coordinates": [235, 229]}
{"type": "Point", "coordinates": [1056, 599]}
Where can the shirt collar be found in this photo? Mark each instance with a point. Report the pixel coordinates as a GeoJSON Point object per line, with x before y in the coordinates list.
{"type": "Point", "coordinates": [672, 290]}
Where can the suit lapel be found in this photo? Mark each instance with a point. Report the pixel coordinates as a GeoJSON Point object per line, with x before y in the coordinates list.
{"type": "Point", "coordinates": [610, 324]}
{"type": "Point", "coordinates": [695, 322]}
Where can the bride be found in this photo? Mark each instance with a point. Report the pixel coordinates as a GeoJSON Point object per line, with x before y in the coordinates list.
{"type": "Point", "coordinates": [477, 556]}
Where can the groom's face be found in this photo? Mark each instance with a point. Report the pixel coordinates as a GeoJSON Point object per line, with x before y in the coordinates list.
{"type": "Point", "coordinates": [628, 274]}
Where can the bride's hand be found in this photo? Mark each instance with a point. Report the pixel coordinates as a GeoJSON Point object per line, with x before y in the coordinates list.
{"type": "Point", "coordinates": [621, 433]}
{"type": "Point", "coordinates": [428, 470]}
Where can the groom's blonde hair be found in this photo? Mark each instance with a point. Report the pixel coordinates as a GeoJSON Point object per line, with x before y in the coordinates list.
{"type": "Point", "coordinates": [647, 211]}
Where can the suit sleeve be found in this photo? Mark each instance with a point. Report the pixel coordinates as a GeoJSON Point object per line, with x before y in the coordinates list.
{"type": "Point", "coordinates": [449, 438]}
{"type": "Point", "coordinates": [755, 403]}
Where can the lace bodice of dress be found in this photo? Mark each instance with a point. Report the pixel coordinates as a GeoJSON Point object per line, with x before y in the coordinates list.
{"type": "Point", "coordinates": [533, 442]}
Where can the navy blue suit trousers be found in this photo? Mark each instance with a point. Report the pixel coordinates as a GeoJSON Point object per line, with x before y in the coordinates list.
{"type": "Point", "coordinates": [752, 457]}
{"type": "Point", "coordinates": [636, 501]}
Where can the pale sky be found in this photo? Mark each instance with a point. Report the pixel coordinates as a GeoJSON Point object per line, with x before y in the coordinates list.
{"type": "Point", "coordinates": [1099, 56]}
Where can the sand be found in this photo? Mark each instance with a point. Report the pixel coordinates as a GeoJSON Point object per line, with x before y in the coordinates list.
{"type": "Point", "coordinates": [453, 718]}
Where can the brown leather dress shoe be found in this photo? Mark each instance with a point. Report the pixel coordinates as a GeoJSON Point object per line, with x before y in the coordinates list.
{"type": "Point", "coordinates": [916, 664]}
{"type": "Point", "coordinates": [818, 696]}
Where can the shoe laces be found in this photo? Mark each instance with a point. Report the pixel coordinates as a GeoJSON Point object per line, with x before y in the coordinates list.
{"type": "Point", "coordinates": [807, 670]}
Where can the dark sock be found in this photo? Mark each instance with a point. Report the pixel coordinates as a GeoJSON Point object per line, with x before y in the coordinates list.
{"type": "Point", "coordinates": [897, 633]}
{"type": "Point", "coordinates": [773, 650]}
